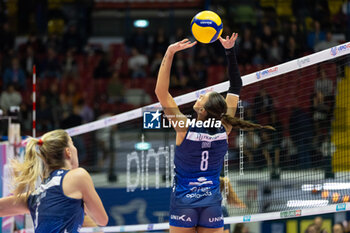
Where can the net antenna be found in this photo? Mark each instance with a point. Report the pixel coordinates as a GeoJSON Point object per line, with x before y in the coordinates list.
{"type": "Point", "coordinates": [241, 138]}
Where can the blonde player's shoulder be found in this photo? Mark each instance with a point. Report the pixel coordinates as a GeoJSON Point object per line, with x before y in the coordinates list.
{"type": "Point", "coordinates": [79, 175]}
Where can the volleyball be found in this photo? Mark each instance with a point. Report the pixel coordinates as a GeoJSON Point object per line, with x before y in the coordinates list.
{"type": "Point", "coordinates": [206, 26]}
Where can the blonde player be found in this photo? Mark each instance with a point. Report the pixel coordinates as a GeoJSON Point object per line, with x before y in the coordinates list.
{"type": "Point", "coordinates": [58, 204]}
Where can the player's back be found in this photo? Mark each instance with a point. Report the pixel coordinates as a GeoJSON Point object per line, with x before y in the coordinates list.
{"type": "Point", "coordinates": [52, 211]}
{"type": "Point", "coordinates": [198, 162]}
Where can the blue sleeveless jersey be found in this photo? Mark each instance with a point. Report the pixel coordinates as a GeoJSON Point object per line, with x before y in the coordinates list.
{"type": "Point", "coordinates": [198, 163]}
{"type": "Point", "coordinates": [51, 210]}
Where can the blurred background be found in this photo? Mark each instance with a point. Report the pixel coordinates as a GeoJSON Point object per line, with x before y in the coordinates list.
{"type": "Point", "coordinates": [98, 58]}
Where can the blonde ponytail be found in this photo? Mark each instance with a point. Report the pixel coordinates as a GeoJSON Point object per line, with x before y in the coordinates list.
{"type": "Point", "coordinates": [42, 156]}
{"type": "Point", "coordinates": [27, 172]}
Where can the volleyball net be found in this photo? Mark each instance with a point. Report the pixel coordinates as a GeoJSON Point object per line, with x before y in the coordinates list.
{"type": "Point", "coordinates": [300, 169]}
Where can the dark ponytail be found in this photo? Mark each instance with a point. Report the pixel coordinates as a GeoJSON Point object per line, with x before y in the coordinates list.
{"type": "Point", "coordinates": [242, 124]}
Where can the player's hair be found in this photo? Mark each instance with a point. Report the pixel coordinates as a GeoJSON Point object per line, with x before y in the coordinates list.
{"type": "Point", "coordinates": [238, 228]}
{"type": "Point", "coordinates": [216, 107]}
{"type": "Point", "coordinates": [41, 157]}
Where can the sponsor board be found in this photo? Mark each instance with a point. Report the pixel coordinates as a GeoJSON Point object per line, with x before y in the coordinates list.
{"type": "Point", "coordinates": [267, 72]}
{"type": "Point", "coordinates": [247, 218]}
{"type": "Point", "coordinates": [290, 213]}
{"type": "Point", "coordinates": [340, 207]}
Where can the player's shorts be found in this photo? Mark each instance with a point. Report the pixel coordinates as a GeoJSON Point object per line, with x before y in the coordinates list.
{"type": "Point", "coordinates": [209, 217]}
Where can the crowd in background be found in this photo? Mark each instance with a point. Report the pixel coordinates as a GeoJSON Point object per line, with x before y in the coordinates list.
{"type": "Point", "coordinates": [78, 81]}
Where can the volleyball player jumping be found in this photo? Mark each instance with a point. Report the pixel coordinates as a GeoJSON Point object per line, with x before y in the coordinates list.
{"type": "Point", "coordinates": [195, 204]}
{"type": "Point", "coordinates": [58, 204]}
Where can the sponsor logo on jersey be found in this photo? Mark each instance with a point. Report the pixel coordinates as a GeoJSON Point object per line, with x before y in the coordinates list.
{"type": "Point", "coordinates": [201, 181]}
{"type": "Point", "coordinates": [199, 195]}
{"type": "Point", "coordinates": [181, 218]}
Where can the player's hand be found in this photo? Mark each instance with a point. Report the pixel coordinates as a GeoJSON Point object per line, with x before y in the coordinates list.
{"type": "Point", "coordinates": [229, 42]}
{"type": "Point", "coordinates": [181, 45]}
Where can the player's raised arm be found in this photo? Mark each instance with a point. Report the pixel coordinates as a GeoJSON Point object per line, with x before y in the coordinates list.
{"type": "Point", "coordinates": [162, 87]}
{"type": "Point", "coordinates": [233, 73]}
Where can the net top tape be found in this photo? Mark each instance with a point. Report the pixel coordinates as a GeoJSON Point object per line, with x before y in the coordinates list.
{"type": "Point", "coordinates": [231, 220]}
{"type": "Point", "coordinates": [327, 54]}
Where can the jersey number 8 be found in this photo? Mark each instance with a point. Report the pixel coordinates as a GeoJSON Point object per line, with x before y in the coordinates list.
{"type": "Point", "coordinates": [204, 161]}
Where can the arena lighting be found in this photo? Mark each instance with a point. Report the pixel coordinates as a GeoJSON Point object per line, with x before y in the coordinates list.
{"type": "Point", "coordinates": [311, 187]}
{"type": "Point", "coordinates": [141, 23]}
{"type": "Point", "coordinates": [336, 186]}
{"type": "Point", "coordinates": [142, 146]}
{"type": "Point", "coordinates": [303, 203]}
{"type": "Point", "coordinates": [325, 186]}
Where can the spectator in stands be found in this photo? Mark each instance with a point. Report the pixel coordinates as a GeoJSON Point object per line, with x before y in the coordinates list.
{"type": "Point", "coordinates": [51, 67]}
{"type": "Point", "coordinates": [323, 84]}
{"type": "Point", "coordinates": [29, 60]}
{"type": "Point", "coordinates": [45, 119]}
{"type": "Point", "coordinates": [246, 47]}
{"type": "Point", "coordinates": [321, 116]}
{"type": "Point", "coordinates": [69, 65]}
{"type": "Point", "coordinates": [240, 228]}
{"type": "Point", "coordinates": [276, 137]}
{"type": "Point", "coordinates": [160, 42]}
{"type": "Point", "coordinates": [301, 133]}
{"type": "Point", "coordinates": [73, 95]}
{"type": "Point", "coordinates": [263, 102]}
{"type": "Point", "coordinates": [267, 36]}
{"type": "Point", "coordinates": [293, 30]}
{"type": "Point", "coordinates": [15, 75]}
{"type": "Point", "coordinates": [318, 221]}
{"type": "Point", "coordinates": [157, 60]}
{"type": "Point", "coordinates": [251, 145]}
{"type": "Point", "coordinates": [288, 152]}
{"type": "Point", "coordinates": [275, 54]}
{"type": "Point", "coordinates": [10, 97]}
{"type": "Point", "coordinates": [72, 39]}
{"type": "Point", "coordinates": [329, 42]}
{"type": "Point", "coordinates": [338, 228]}
{"type": "Point", "coordinates": [53, 100]}
{"type": "Point", "coordinates": [291, 50]}
{"type": "Point", "coordinates": [311, 228]}
{"type": "Point", "coordinates": [137, 64]}
{"type": "Point", "coordinates": [7, 39]}
{"type": "Point", "coordinates": [180, 72]}
{"type": "Point", "coordinates": [315, 36]}
{"type": "Point", "coordinates": [267, 148]}
{"type": "Point", "coordinates": [115, 89]}
{"type": "Point", "coordinates": [36, 43]}
{"type": "Point", "coordinates": [199, 75]}
{"type": "Point", "coordinates": [107, 148]}
{"type": "Point", "coordinates": [259, 52]}
{"type": "Point", "coordinates": [85, 111]}
{"type": "Point", "coordinates": [102, 69]}
{"type": "Point", "coordinates": [54, 41]}
{"type": "Point", "coordinates": [139, 40]}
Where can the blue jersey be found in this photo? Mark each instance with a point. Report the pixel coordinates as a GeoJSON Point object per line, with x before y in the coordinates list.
{"type": "Point", "coordinates": [52, 211]}
{"type": "Point", "coordinates": [198, 163]}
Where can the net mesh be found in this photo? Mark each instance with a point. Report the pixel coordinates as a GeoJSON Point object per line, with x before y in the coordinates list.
{"type": "Point", "coordinates": [290, 172]}
{"type": "Point", "coordinates": [302, 165]}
